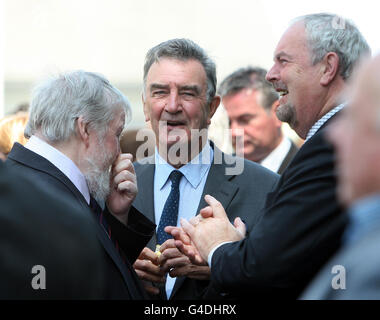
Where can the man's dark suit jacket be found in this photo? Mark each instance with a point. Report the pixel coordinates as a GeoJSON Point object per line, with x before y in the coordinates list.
{"type": "Point", "coordinates": [242, 195]}
{"type": "Point", "coordinates": [122, 281]}
{"type": "Point", "coordinates": [300, 229]}
{"type": "Point", "coordinates": [39, 229]}
{"type": "Point", "coordinates": [289, 157]}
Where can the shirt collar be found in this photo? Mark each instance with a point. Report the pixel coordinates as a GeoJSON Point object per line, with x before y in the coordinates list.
{"type": "Point", "coordinates": [364, 215]}
{"type": "Point", "coordinates": [323, 120]}
{"type": "Point", "coordinates": [365, 209]}
{"type": "Point", "coordinates": [193, 171]}
{"type": "Point", "coordinates": [62, 162]}
{"type": "Point", "coordinates": [272, 161]}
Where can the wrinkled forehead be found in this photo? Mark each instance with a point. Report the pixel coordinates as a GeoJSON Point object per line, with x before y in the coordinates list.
{"type": "Point", "coordinates": [175, 69]}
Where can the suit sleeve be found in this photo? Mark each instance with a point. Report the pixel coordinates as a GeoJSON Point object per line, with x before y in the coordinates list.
{"type": "Point", "coordinates": [133, 237]}
{"type": "Point", "coordinates": [299, 230]}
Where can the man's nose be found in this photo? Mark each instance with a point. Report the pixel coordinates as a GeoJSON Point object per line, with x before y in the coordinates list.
{"type": "Point", "coordinates": [236, 129]}
{"type": "Point", "coordinates": [273, 74]}
{"type": "Point", "coordinates": [173, 103]}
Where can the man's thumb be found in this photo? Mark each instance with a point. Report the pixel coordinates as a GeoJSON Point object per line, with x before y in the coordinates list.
{"type": "Point", "coordinates": [216, 206]}
{"type": "Point", "coordinates": [240, 226]}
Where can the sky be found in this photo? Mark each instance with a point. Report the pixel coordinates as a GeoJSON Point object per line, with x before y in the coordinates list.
{"type": "Point", "coordinates": [43, 37]}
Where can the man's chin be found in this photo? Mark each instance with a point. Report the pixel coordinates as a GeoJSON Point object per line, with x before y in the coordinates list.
{"type": "Point", "coordinates": [286, 113]}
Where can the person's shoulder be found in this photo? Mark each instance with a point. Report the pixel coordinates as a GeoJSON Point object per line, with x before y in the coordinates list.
{"type": "Point", "coordinates": [248, 169]}
{"type": "Point", "coordinates": [143, 163]}
{"type": "Point", "coordinates": [315, 151]}
{"type": "Point", "coordinates": [314, 160]}
{"type": "Point", "coordinates": [251, 166]}
{"type": "Point", "coordinates": [358, 263]}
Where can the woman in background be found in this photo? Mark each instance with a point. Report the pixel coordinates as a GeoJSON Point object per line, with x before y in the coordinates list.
{"type": "Point", "coordinates": [11, 131]}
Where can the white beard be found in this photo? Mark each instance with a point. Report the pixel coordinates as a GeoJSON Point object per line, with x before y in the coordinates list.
{"type": "Point", "coordinates": [98, 179]}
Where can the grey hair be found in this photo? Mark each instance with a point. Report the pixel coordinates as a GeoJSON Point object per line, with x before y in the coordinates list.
{"type": "Point", "coordinates": [250, 78]}
{"type": "Point", "coordinates": [184, 50]}
{"type": "Point", "coordinates": [59, 101]}
{"type": "Point", "coordinates": [330, 33]}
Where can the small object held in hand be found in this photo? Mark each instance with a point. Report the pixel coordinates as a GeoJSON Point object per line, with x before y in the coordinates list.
{"type": "Point", "coordinates": [158, 252]}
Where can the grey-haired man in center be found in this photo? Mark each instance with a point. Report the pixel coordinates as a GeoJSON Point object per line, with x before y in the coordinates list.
{"type": "Point", "coordinates": [179, 100]}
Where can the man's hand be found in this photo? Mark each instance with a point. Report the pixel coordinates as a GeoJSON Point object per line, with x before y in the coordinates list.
{"type": "Point", "coordinates": [148, 268]}
{"type": "Point", "coordinates": [207, 230]}
{"type": "Point", "coordinates": [178, 264]}
{"type": "Point", "coordinates": [123, 187]}
{"type": "Point", "coordinates": [184, 245]}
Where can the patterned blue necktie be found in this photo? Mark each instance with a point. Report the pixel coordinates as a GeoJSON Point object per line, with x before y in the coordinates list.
{"type": "Point", "coordinates": [169, 215]}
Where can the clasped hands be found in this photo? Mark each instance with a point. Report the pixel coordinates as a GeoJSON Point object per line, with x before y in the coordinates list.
{"type": "Point", "coordinates": [186, 254]}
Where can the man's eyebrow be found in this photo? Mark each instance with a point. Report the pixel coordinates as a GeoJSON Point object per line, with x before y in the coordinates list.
{"type": "Point", "coordinates": [246, 115]}
{"type": "Point", "coordinates": [194, 88]}
{"type": "Point", "coordinates": [282, 54]}
{"type": "Point", "coordinates": [154, 86]}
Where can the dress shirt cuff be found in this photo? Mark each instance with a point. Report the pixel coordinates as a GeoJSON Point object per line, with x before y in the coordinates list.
{"type": "Point", "coordinates": [209, 258]}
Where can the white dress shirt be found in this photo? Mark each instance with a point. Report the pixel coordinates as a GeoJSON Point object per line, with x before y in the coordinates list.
{"type": "Point", "coordinates": [274, 160]}
{"type": "Point", "coordinates": [62, 162]}
{"type": "Point", "coordinates": [190, 189]}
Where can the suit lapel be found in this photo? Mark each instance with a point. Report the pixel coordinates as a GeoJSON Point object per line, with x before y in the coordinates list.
{"type": "Point", "coordinates": [290, 155]}
{"type": "Point", "coordinates": [144, 201]}
{"type": "Point", "coordinates": [145, 204]}
{"type": "Point", "coordinates": [219, 186]}
{"type": "Point", "coordinates": [124, 267]}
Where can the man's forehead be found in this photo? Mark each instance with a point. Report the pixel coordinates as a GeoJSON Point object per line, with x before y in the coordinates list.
{"type": "Point", "coordinates": [282, 54]}
{"type": "Point", "coordinates": [168, 67]}
{"type": "Point", "coordinates": [293, 38]}
{"type": "Point", "coordinates": [244, 99]}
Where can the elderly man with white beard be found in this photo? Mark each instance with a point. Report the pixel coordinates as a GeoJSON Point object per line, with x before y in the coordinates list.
{"type": "Point", "coordinates": [75, 123]}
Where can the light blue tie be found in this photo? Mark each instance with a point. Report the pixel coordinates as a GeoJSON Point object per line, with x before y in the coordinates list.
{"type": "Point", "coordinates": [169, 215]}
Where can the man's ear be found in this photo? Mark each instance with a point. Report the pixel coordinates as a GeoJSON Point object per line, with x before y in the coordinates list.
{"type": "Point", "coordinates": [213, 107]}
{"type": "Point", "coordinates": [83, 131]}
{"type": "Point", "coordinates": [330, 68]}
